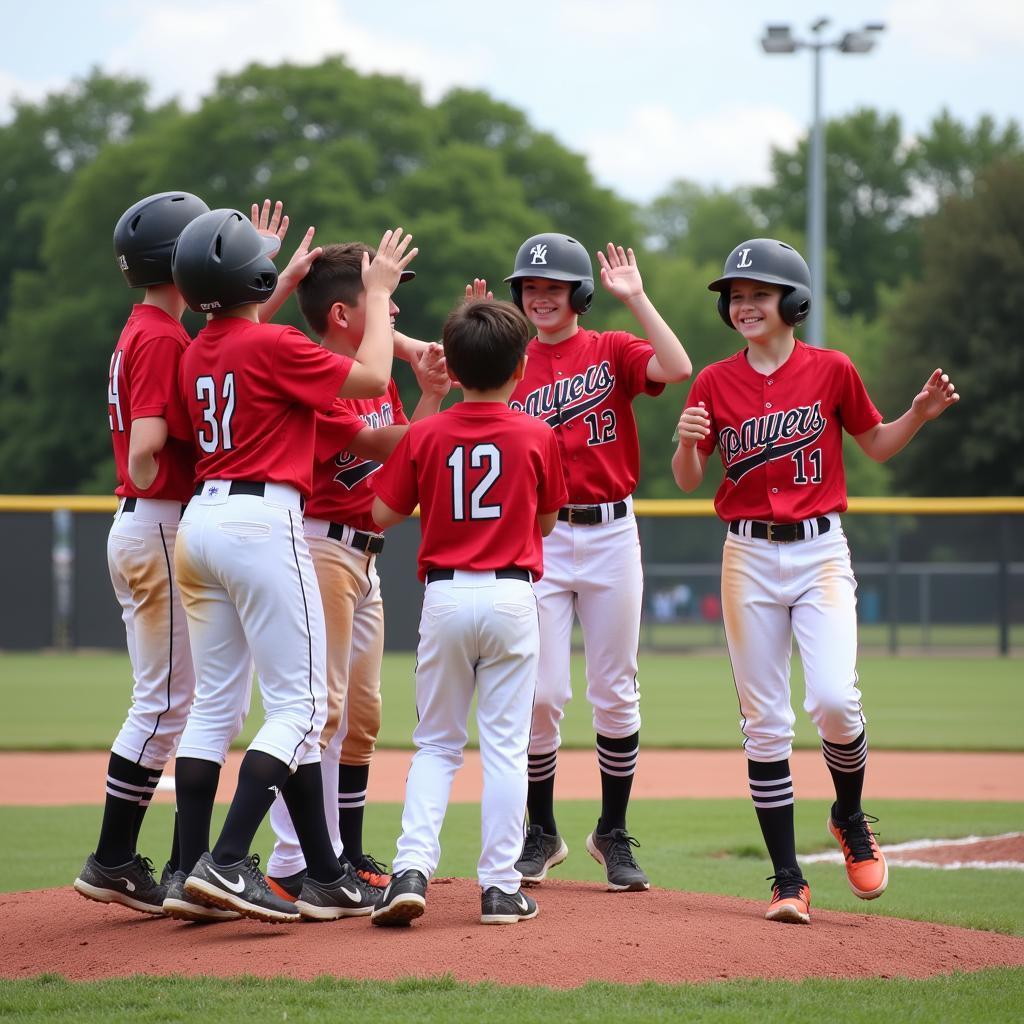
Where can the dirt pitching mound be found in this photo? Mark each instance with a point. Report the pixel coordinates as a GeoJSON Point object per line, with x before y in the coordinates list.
{"type": "Point", "coordinates": [583, 933]}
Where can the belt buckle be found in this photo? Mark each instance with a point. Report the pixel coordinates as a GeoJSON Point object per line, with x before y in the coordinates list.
{"type": "Point", "coordinates": [572, 516]}
{"type": "Point", "coordinates": [790, 527]}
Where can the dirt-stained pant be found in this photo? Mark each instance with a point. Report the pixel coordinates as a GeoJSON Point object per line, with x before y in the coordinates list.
{"type": "Point", "coordinates": [354, 615]}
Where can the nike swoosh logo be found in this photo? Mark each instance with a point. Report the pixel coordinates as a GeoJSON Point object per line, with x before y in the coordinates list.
{"type": "Point", "coordinates": [128, 884]}
{"type": "Point", "coordinates": [523, 905]}
{"type": "Point", "coordinates": [233, 886]}
{"type": "Point", "coordinates": [351, 894]}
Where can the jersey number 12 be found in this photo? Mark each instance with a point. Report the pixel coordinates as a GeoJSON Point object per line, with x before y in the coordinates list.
{"type": "Point", "coordinates": [478, 455]}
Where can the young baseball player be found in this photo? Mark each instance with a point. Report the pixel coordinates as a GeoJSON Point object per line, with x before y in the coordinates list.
{"type": "Point", "coordinates": [777, 410]}
{"type": "Point", "coordinates": [154, 459]}
{"type": "Point", "coordinates": [352, 440]}
{"type": "Point", "coordinates": [582, 383]}
{"type": "Point", "coordinates": [244, 569]}
{"type": "Point", "coordinates": [489, 483]}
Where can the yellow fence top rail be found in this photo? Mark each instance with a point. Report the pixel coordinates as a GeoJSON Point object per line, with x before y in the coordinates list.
{"type": "Point", "coordinates": [643, 506]}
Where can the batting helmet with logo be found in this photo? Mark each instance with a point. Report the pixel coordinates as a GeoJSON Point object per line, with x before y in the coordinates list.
{"type": "Point", "coordinates": [146, 232]}
{"type": "Point", "coordinates": [557, 258]}
{"type": "Point", "coordinates": [774, 262]}
{"type": "Point", "coordinates": [221, 260]}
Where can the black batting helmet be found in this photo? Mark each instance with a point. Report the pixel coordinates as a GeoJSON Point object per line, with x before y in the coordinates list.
{"type": "Point", "coordinates": [221, 260]}
{"type": "Point", "coordinates": [774, 262]}
{"type": "Point", "coordinates": [146, 232]}
{"type": "Point", "coordinates": [557, 258]}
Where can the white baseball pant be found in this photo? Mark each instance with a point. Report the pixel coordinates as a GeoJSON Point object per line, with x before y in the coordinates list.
{"type": "Point", "coordinates": [249, 590]}
{"type": "Point", "coordinates": [771, 592]}
{"type": "Point", "coordinates": [476, 633]}
{"type": "Point", "coordinates": [140, 557]}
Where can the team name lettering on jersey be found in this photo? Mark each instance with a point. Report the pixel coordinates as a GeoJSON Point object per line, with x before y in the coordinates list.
{"type": "Point", "coordinates": [568, 399]}
{"type": "Point", "coordinates": [355, 470]}
{"type": "Point", "coordinates": [763, 439]}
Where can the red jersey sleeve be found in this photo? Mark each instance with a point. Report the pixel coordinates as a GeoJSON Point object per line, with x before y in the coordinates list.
{"type": "Point", "coordinates": [553, 493]}
{"type": "Point", "coordinates": [153, 371]}
{"type": "Point", "coordinates": [700, 392]}
{"type": "Point", "coordinates": [307, 372]}
{"type": "Point", "coordinates": [395, 482]}
{"type": "Point", "coordinates": [335, 430]}
{"type": "Point", "coordinates": [856, 409]}
{"type": "Point", "coordinates": [632, 354]}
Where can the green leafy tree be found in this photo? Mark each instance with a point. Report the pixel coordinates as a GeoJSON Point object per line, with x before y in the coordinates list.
{"type": "Point", "coordinates": [964, 315]}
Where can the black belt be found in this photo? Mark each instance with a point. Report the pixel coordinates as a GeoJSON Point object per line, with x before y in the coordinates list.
{"type": "Point", "coordinates": [256, 488]}
{"type": "Point", "coordinates": [362, 541]}
{"type": "Point", "coordinates": [781, 533]}
{"type": "Point", "coordinates": [590, 515]}
{"type": "Point", "coordinates": [128, 505]}
{"type": "Point", "coordinates": [512, 573]}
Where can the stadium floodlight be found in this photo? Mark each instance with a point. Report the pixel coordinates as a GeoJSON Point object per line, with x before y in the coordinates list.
{"type": "Point", "coordinates": [780, 39]}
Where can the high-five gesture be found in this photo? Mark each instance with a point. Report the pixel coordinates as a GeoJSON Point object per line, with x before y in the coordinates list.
{"type": "Point", "coordinates": [619, 273]}
{"type": "Point", "coordinates": [937, 395]}
{"type": "Point", "coordinates": [385, 271]}
{"type": "Point", "coordinates": [478, 290]}
{"type": "Point", "coordinates": [270, 222]}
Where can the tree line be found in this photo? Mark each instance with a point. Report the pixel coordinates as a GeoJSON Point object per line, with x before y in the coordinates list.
{"type": "Point", "coordinates": [925, 258]}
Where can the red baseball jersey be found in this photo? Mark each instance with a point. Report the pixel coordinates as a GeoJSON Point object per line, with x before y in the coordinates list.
{"type": "Point", "coordinates": [251, 391]}
{"type": "Point", "coordinates": [480, 473]}
{"type": "Point", "coordinates": [143, 381]}
{"type": "Point", "coordinates": [584, 387]}
{"type": "Point", "coordinates": [341, 490]}
{"type": "Point", "coordinates": [780, 435]}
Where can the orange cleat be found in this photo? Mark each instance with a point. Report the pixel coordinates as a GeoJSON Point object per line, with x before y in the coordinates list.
{"type": "Point", "coordinates": [791, 898]}
{"type": "Point", "coordinates": [288, 887]}
{"type": "Point", "coordinates": [371, 871]}
{"type": "Point", "coordinates": [866, 870]}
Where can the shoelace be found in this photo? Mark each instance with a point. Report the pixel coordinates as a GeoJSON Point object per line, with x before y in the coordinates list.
{"type": "Point", "coordinates": [857, 836]}
{"type": "Point", "coordinates": [787, 884]}
{"type": "Point", "coordinates": [619, 851]}
{"type": "Point", "coordinates": [373, 865]}
{"type": "Point", "coordinates": [252, 867]}
{"type": "Point", "coordinates": [146, 865]}
{"type": "Point", "coordinates": [533, 846]}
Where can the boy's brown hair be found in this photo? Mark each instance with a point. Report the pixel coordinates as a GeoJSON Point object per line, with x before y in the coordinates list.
{"type": "Point", "coordinates": [484, 340]}
{"type": "Point", "coordinates": [335, 276]}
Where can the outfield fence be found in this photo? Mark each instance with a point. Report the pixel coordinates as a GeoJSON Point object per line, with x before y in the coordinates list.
{"type": "Point", "coordinates": [935, 575]}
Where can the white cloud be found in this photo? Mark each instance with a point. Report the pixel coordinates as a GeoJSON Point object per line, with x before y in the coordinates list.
{"type": "Point", "coordinates": [12, 88]}
{"type": "Point", "coordinates": [654, 146]}
{"type": "Point", "coordinates": [181, 47]}
{"type": "Point", "coordinates": [973, 31]}
{"type": "Point", "coordinates": [605, 19]}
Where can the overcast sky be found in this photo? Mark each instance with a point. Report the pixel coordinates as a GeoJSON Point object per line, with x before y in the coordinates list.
{"type": "Point", "coordinates": [648, 90]}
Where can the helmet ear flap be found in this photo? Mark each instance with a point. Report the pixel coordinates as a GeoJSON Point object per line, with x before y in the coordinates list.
{"type": "Point", "coordinates": [723, 309]}
{"type": "Point", "coordinates": [516, 288]}
{"type": "Point", "coordinates": [795, 305]}
{"type": "Point", "coordinates": [581, 296]}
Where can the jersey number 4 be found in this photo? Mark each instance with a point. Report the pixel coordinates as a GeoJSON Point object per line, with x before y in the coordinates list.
{"type": "Point", "coordinates": [216, 430]}
{"type": "Point", "coordinates": [478, 455]}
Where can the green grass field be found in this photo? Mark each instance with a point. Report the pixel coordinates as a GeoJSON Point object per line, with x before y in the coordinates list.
{"type": "Point", "coordinates": [78, 701]}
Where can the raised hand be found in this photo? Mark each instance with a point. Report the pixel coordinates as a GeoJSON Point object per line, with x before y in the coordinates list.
{"type": "Point", "coordinates": [619, 273]}
{"type": "Point", "coordinates": [478, 290]}
{"type": "Point", "coordinates": [392, 258]}
{"type": "Point", "coordinates": [302, 259]}
{"type": "Point", "coordinates": [270, 222]}
{"type": "Point", "coordinates": [937, 395]}
{"type": "Point", "coordinates": [694, 425]}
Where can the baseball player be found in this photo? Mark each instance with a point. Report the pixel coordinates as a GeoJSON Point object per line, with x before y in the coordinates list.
{"type": "Point", "coordinates": [154, 459]}
{"type": "Point", "coordinates": [489, 483]}
{"type": "Point", "coordinates": [777, 411]}
{"type": "Point", "coordinates": [243, 567]}
{"type": "Point", "coordinates": [352, 440]}
{"type": "Point", "coordinates": [582, 383]}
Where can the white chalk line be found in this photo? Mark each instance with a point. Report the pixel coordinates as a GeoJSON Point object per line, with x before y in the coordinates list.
{"type": "Point", "coordinates": [836, 856]}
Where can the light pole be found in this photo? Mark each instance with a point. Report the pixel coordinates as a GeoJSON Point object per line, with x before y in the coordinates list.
{"type": "Point", "coordinates": [780, 39]}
